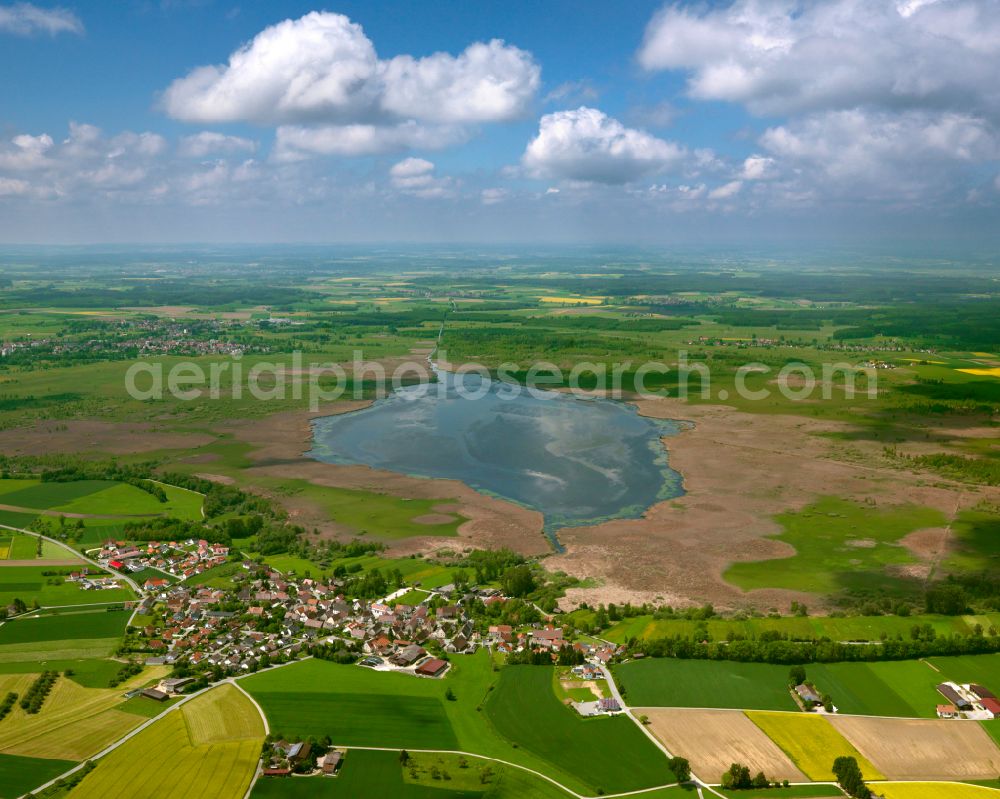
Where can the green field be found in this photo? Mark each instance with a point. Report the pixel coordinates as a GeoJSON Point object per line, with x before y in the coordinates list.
{"type": "Point", "coordinates": [67, 625]}
{"type": "Point", "coordinates": [889, 688]}
{"type": "Point", "coordinates": [375, 514]}
{"type": "Point", "coordinates": [305, 699]}
{"type": "Point", "coordinates": [29, 584]}
{"type": "Point", "coordinates": [885, 688]}
{"type": "Point", "coordinates": [364, 775]}
{"type": "Point", "coordinates": [610, 754]}
{"type": "Point", "coordinates": [99, 497]}
{"type": "Point", "coordinates": [19, 775]}
{"type": "Point", "coordinates": [839, 545]}
{"type": "Point", "coordinates": [319, 698]}
{"type": "Point", "coordinates": [669, 682]}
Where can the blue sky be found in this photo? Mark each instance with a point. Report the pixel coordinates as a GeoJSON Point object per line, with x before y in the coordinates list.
{"type": "Point", "coordinates": [833, 120]}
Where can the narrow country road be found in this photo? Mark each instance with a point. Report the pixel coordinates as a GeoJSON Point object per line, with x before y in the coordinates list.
{"type": "Point", "coordinates": [132, 583]}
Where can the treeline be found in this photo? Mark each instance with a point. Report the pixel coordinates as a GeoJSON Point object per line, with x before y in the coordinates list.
{"type": "Point", "coordinates": [849, 776]}
{"type": "Point", "coordinates": [32, 700]}
{"type": "Point", "coordinates": [7, 704]}
{"type": "Point", "coordinates": [199, 293]}
{"type": "Point", "coordinates": [762, 650]}
{"type": "Point", "coordinates": [127, 670]}
{"type": "Point", "coordinates": [568, 656]}
{"type": "Point", "coordinates": [221, 498]}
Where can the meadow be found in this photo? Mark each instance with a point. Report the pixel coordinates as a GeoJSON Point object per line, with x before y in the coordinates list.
{"type": "Point", "coordinates": [87, 623]}
{"type": "Point", "coordinates": [317, 698]}
{"type": "Point", "coordinates": [98, 498]}
{"type": "Point", "coordinates": [811, 743]}
{"type": "Point", "coordinates": [839, 544]}
{"type": "Point", "coordinates": [669, 682]}
{"type": "Point", "coordinates": [305, 698]}
{"type": "Point", "coordinates": [218, 765]}
{"type": "Point", "coordinates": [610, 754]}
{"type": "Point", "coordinates": [904, 688]}
{"type": "Point", "coordinates": [31, 584]}
{"type": "Point", "coordinates": [19, 774]}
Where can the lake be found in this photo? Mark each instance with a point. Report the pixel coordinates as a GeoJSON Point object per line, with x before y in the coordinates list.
{"type": "Point", "coordinates": [578, 461]}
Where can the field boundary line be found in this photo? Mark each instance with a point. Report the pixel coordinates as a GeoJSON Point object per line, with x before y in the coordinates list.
{"type": "Point", "coordinates": [799, 713]}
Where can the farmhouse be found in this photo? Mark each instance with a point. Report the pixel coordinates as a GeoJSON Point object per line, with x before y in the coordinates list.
{"type": "Point", "coordinates": [808, 696]}
{"type": "Point", "coordinates": [609, 705]}
{"type": "Point", "coordinates": [434, 667]}
{"type": "Point", "coordinates": [953, 694]}
{"type": "Point", "coordinates": [331, 761]}
{"type": "Point", "coordinates": [991, 706]}
{"type": "Point", "coordinates": [408, 655]}
{"type": "Point", "coordinates": [947, 712]}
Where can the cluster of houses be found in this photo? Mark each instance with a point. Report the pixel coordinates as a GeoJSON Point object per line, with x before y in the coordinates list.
{"type": "Point", "coordinates": [970, 701]}
{"type": "Point", "coordinates": [92, 582]}
{"type": "Point", "coordinates": [504, 638]}
{"type": "Point", "coordinates": [178, 559]}
{"type": "Point", "coordinates": [307, 612]}
{"type": "Point", "coordinates": [284, 757]}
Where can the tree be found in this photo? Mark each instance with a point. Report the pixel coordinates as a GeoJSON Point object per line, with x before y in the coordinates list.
{"type": "Point", "coordinates": [681, 768]}
{"type": "Point", "coordinates": [449, 695]}
{"type": "Point", "coordinates": [518, 581]}
{"type": "Point", "coordinates": [797, 675]}
{"type": "Point", "coordinates": [404, 757]}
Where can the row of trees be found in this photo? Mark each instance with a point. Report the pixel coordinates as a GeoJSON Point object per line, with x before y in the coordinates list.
{"type": "Point", "coordinates": [32, 700]}
{"type": "Point", "coordinates": [7, 704]}
{"type": "Point", "coordinates": [848, 774]}
{"type": "Point", "coordinates": [821, 651]}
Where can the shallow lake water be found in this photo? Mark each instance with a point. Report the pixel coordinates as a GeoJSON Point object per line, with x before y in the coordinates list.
{"type": "Point", "coordinates": [578, 461]}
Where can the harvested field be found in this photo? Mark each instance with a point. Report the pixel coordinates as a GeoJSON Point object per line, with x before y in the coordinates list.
{"type": "Point", "coordinates": [811, 743]}
{"type": "Point", "coordinates": [75, 722]}
{"type": "Point", "coordinates": [223, 714]}
{"type": "Point", "coordinates": [714, 739]}
{"type": "Point", "coordinates": [180, 769]}
{"type": "Point", "coordinates": [923, 749]}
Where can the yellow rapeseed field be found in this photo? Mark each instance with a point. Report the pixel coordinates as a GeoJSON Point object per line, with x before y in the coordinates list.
{"type": "Point", "coordinates": [934, 790]}
{"type": "Point", "coordinates": [991, 372]}
{"type": "Point", "coordinates": [811, 743]}
{"type": "Point", "coordinates": [574, 300]}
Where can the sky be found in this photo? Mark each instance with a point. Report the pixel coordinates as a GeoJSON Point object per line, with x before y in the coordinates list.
{"type": "Point", "coordinates": [564, 121]}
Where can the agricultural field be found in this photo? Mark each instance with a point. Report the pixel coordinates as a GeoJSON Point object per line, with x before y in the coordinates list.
{"type": "Point", "coordinates": [669, 682]}
{"type": "Point", "coordinates": [106, 498]}
{"type": "Point", "coordinates": [935, 790]}
{"type": "Point", "coordinates": [923, 749]}
{"type": "Point", "coordinates": [609, 754]}
{"type": "Point", "coordinates": [48, 586]}
{"type": "Point", "coordinates": [354, 706]}
{"type": "Point", "coordinates": [19, 775]}
{"type": "Point", "coordinates": [75, 722]}
{"type": "Point", "coordinates": [90, 623]}
{"type": "Point", "coordinates": [714, 739]}
{"type": "Point", "coordinates": [381, 516]}
{"type": "Point", "coordinates": [376, 775]}
{"type": "Point", "coordinates": [811, 743]}
{"type": "Point", "coordinates": [905, 688]}
{"type": "Point", "coordinates": [220, 765]}
{"type": "Point", "coordinates": [838, 544]}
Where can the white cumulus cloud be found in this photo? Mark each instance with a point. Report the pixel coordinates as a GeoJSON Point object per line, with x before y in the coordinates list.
{"type": "Point", "coordinates": [212, 143]}
{"type": "Point", "coordinates": [416, 176]}
{"type": "Point", "coordinates": [786, 56]}
{"type": "Point", "coordinates": [323, 69]}
{"type": "Point", "coordinates": [586, 145]}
